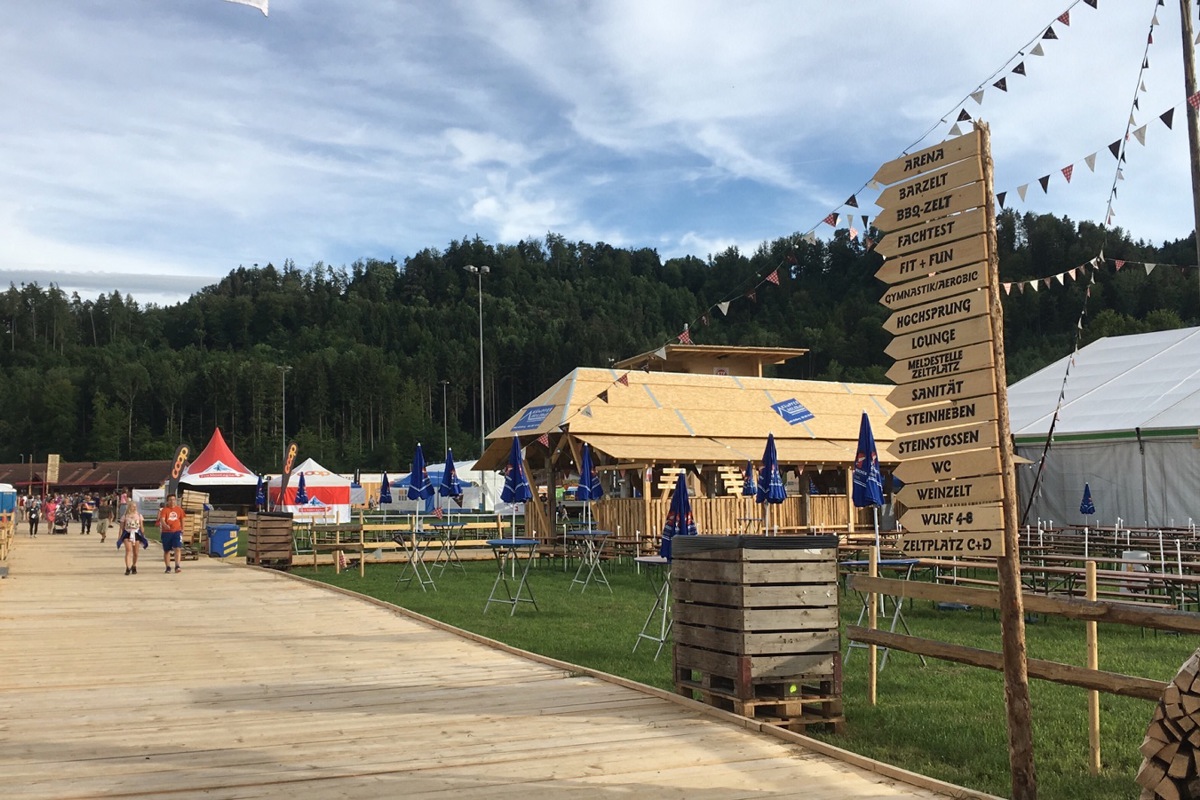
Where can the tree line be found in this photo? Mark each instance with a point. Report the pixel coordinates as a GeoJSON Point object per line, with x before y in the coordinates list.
{"type": "Point", "coordinates": [363, 350]}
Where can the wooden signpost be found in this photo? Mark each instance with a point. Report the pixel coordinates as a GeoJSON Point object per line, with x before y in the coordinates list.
{"type": "Point", "coordinates": [954, 441]}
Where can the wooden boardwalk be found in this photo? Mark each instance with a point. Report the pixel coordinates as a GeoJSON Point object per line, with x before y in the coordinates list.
{"type": "Point", "coordinates": [226, 681]}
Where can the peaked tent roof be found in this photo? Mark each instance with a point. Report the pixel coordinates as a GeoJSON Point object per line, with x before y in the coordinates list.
{"type": "Point", "coordinates": [1149, 381]}
{"type": "Point", "coordinates": [217, 465]}
{"type": "Point", "coordinates": [697, 418]}
{"type": "Point", "coordinates": [314, 475]}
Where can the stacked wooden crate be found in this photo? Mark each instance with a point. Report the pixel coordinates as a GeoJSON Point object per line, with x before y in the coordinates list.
{"type": "Point", "coordinates": [755, 624]}
{"type": "Point", "coordinates": [269, 539]}
{"type": "Point", "coordinates": [193, 523]}
{"type": "Point", "coordinates": [1172, 744]}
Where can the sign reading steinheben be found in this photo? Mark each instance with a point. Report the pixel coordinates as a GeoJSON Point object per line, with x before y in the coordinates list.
{"type": "Point", "coordinates": [937, 265]}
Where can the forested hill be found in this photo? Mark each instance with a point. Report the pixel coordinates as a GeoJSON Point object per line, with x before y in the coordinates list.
{"type": "Point", "coordinates": [369, 345]}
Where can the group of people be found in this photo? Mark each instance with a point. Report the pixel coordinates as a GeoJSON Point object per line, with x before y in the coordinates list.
{"type": "Point", "coordinates": [130, 523]}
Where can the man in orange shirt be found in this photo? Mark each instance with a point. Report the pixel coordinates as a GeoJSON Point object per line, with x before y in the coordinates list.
{"type": "Point", "coordinates": [170, 524]}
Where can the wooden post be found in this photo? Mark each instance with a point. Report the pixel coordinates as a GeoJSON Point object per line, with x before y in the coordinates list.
{"type": "Point", "coordinates": [1093, 662]}
{"type": "Point", "coordinates": [850, 500]}
{"type": "Point", "coordinates": [1189, 87]}
{"type": "Point", "coordinates": [872, 623]}
{"type": "Point", "coordinates": [1008, 566]}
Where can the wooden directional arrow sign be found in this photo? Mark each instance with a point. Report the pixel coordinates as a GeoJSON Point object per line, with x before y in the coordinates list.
{"type": "Point", "coordinates": [943, 205]}
{"type": "Point", "coordinates": [941, 415]}
{"type": "Point", "coordinates": [968, 464]}
{"type": "Point", "coordinates": [969, 384]}
{"type": "Point", "coordinates": [930, 158]}
{"type": "Point", "coordinates": [943, 337]}
{"type": "Point", "coordinates": [954, 518]}
{"type": "Point", "coordinates": [935, 232]}
{"type": "Point", "coordinates": [924, 263]}
{"type": "Point", "coordinates": [940, 285]}
{"type": "Point", "coordinates": [974, 544]}
{"type": "Point", "coordinates": [964, 490]}
{"type": "Point", "coordinates": [932, 184]}
{"type": "Point", "coordinates": [938, 312]}
{"type": "Point", "coordinates": [944, 364]}
{"type": "Point", "coordinates": [944, 440]}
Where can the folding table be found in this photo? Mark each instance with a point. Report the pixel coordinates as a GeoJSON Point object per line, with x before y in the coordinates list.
{"type": "Point", "coordinates": [412, 542]}
{"type": "Point", "coordinates": [450, 532]}
{"type": "Point", "coordinates": [903, 566]}
{"type": "Point", "coordinates": [660, 614]}
{"type": "Point", "coordinates": [590, 543]}
{"type": "Point", "coordinates": [504, 550]}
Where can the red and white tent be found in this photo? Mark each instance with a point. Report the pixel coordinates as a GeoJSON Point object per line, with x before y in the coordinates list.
{"type": "Point", "coordinates": [328, 494]}
{"type": "Point", "coordinates": [219, 473]}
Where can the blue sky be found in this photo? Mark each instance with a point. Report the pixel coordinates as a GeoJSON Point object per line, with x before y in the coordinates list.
{"type": "Point", "coordinates": [152, 146]}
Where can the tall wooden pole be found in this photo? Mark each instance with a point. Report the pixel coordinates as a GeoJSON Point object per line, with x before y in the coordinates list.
{"type": "Point", "coordinates": [1008, 566]}
{"type": "Point", "coordinates": [1189, 84]}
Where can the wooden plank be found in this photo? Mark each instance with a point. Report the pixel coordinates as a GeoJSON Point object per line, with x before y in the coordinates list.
{"type": "Point", "coordinates": [933, 234]}
{"type": "Point", "coordinates": [943, 337]}
{"type": "Point", "coordinates": [967, 464]}
{"type": "Point", "coordinates": [958, 492]}
{"type": "Point", "coordinates": [930, 158]}
{"type": "Point", "coordinates": [987, 517]}
{"type": "Point", "coordinates": [937, 286]}
{"type": "Point", "coordinates": [940, 258]}
{"type": "Point", "coordinates": [791, 619]}
{"type": "Point", "coordinates": [916, 210]}
{"type": "Point", "coordinates": [943, 441]}
{"type": "Point", "coordinates": [943, 311]}
{"type": "Point", "coordinates": [945, 364]}
{"type": "Point", "coordinates": [979, 383]}
{"type": "Point", "coordinates": [932, 184]}
{"type": "Point", "coordinates": [944, 414]}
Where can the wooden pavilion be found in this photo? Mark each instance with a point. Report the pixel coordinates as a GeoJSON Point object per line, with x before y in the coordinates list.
{"type": "Point", "coordinates": [704, 411]}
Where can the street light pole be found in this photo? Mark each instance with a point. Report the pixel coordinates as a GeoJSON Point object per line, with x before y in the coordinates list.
{"type": "Point", "coordinates": [480, 271]}
{"type": "Point", "coordinates": [445, 427]}
{"type": "Point", "coordinates": [283, 371]}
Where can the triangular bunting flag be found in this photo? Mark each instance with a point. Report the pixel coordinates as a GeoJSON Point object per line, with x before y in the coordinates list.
{"type": "Point", "coordinates": [1000, 199]}
{"type": "Point", "coordinates": [603, 396]}
{"type": "Point", "coordinates": [1120, 177]}
{"type": "Point", "coordinates": [773, 277]}
{"type": "Point", "coordinates": [1001, 84]}
{"type": "Point", "coordinates": [1071, 273]}
{"type": "Point", "coordinates": [1019, 69]}
{"type": "Point", "coordinates": [1062, 279]}
{"type": "Point", "coordinates": [661, 353]}
{"type": "Point", "coordinates": [849, 220]}
{"type": "Point", "coordinates": [851, 201]}
{"type": "Point", "coordinates": [977, 96]}
{"type": "Point", "coordinates": [1150, 37]}
{"type": "Point", "coordinates": [866, 223]}
{"type": "Point", "coordinates": [1150, 268]}
{"type": "Point", "coordinates": [1137, 104]}
{"type": "Point", "coordinates": [874, 184]}
{"type": "Point", "coordinates": [1091, 162]}
{"type": "Point", "coordinates": [1024, 187]}
{"type": "Point", "coordinates": [1140, 135]}
{"type": "Point", "coordinates": [1146, 63]}
{"type": "Point", "coordinates": [1067, 171]}
{"type": "Point", "coordinates": [1168, 117]}
{"type": "Point", "coordinates": [623, 379]}
{"type": "Point", "coordinates": [587, 411]}
{"type": "Point", "coordinates": [1047, 281]}
{"type": "Point", "coordinates": [1194, 100]}
{"type": "Point", "coordinates": [1154, 19]}
{"type": "Point", "coordinates": [1091, 3]}
{"type": "Point", "coordinates": [1033, 285]}
{"type": "Point", "coordinates": [955, 130]}
{"type": "Point", "coordinates": [1115, 148]}
{"type": "Point", "coordinates": [1050, 34]}
{"type": "Point", "coordinates": [544, 440]}
{"type": "Point", "coordinates": [1007, 287]}
{"type": "Point", "coordinates": [854, 233]}
{"type": "Point", "coordinates": [1132, 122]}
{"type": "Point", "coordinates": [1020, 288]}
{"type": "Point", "coordinates": [1045, 182]}
{"type": "Point", "coordinates": [963, 116]}
{"type": "Point", "coordinates": [809, 237]}
{"type": "Point", "coordinates": [1118, 264]}
{"type": "Point", "coordinates": [1141, 86]}
{"type": "Point", "coordinates": [831, 220]}
{"type": "Point", "coordinates": [1037, 50]}
{"type": "Point", "coordinates": [1065, 18]}
{"type": "Point", "coordinates": [1197, 38]}
{"type": "Point", "coordinates": [685, 337]}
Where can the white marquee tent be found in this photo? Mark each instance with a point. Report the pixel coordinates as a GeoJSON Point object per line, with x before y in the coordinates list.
{"type": "Point", "coordinates": [1128, 426]}
{"type": "Point", "coordinates": [328, 494]}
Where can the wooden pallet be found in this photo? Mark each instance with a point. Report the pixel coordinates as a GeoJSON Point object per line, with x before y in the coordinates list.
{"type": "Point", "coordinates": [795, 704]}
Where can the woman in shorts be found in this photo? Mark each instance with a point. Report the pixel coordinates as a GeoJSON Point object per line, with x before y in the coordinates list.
{"type": "Point", "coordinates": [132, 537]}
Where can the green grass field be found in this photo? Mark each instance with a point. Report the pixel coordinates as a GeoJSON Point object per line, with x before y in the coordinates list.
{"type": "Point", "coordinates": [944, 720]}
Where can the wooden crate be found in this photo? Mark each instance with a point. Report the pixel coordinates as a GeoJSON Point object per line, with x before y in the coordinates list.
{"type": "Point", "coordinates": [193, 534]}
{"type": "Point", "coordinates": [755, 626]}
{"type": "Point", "coordinates": [192, 500]}
{"type": "Point", "coordinates": [269, 539]}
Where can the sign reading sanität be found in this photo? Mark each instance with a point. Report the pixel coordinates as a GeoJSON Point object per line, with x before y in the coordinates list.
{"type": "Point", "coordinates": [938, 270]}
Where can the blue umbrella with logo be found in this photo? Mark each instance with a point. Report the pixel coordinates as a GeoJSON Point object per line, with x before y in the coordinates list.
{"type": "Point", "coordinates": [516, 485]}
{"type": "Point", "coordinates": [385, 490]}
{"type": "Point", "coordinates": [771, 490]}
{"type": "Point", "coordinates": [1086, 506]}
{"type": "Point", "coordinates": [589, 483]}
{"type": "Point", "coordinates": [867, 480]}
{"type": "Point", "coordinates": [419, 486]}
{"type": "Point", "coordinates": [450, 485]}
{"type": "Point", "coordinates": [260, 495]}
{"type": "Point", "coordinates": [749, 486]}
{"type": "Point", "coordinates": [679, 518]}
{"type": "Point", "coordinates": [301, 492]}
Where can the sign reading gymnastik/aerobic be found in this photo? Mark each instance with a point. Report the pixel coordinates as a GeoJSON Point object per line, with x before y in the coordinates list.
{"type": "Point", "coordinates": [792, 411]}
{"type": "Point", "coordinates": [939, 266]}
{"type": "Point", "coordinates": [533, 417]}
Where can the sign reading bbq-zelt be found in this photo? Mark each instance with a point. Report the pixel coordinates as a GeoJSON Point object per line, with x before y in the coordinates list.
{"type": "Point", "coordinates": [937, 269]}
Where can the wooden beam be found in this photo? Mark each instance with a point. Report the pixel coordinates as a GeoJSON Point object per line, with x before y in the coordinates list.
{"type": "Point", "coordinates": [1053, 671]}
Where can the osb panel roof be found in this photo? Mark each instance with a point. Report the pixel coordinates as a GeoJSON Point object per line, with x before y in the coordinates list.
{"type": "Point", "coordinates": [663, 416]}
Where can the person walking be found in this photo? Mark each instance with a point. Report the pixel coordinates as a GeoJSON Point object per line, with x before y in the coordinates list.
{"type": "Point", "coordinates": [170, 524]}
{"type": "Point", "coordinates": [132, 537]}
{"type": "Point", "coordinates": [34, 508]}
{"type": "Point", "coordinates": [87, 509]}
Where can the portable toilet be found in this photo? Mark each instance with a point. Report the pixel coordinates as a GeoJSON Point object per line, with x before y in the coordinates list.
{"type": "Point", "coordinates": [8, 498]}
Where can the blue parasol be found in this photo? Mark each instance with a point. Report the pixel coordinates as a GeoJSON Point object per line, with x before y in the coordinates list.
{"type": "Point", "coordinates": [385, 490]}
{"type": "Point", "coordinates": [679, 518]}
{"type": "Point", "coordinates": [1086, 506]}
{"type": "Point", "coordinates": [589, 483]}
{"type": "Point", "coordinates": [301, 492]}
{"type": "Point", "coordinates": [770, 481]}
{"type": "Point", "coordinates": [749, 486]}
{"type": "Point", "coordinates": [260, 495]}
{"type": "Point", "coordinates": [516, 485]}
{"type": "Point", "coordinates": [450, 485]}
{"type": "Point", "coordinates": [867, 480]}
{"type": "Point", "coordinates": [419, 487]}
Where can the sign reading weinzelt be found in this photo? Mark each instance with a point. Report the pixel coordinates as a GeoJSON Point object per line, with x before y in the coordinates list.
{"type": "Point", "coordinates": [934, 232]}
{"type": "Point", "coordinates": [533, 417]}
{"type": "Point", "coordinates": [907, 214]}
{"type": "Point", "coordinates": [929, 159]}
{"type": "Point", "coordinates": [943, 337]}
{"type": "Point", "coordinates": [792, 411]}
{"type": "Point", "coordinates": [942, 364]}
{"type": "Point", "coordinates": [926, 263]}
{"type": "Point", "coordinates": [956, 492]}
